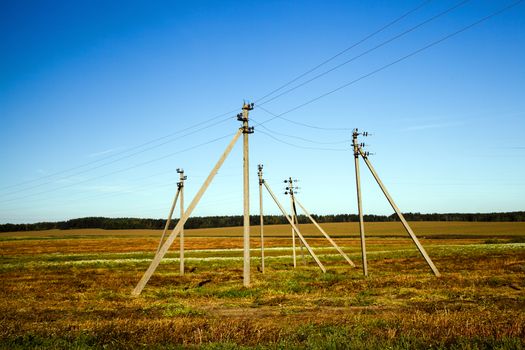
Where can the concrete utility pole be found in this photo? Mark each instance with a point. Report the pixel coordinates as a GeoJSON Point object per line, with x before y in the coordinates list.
{"type": "Point", "coordinates": [297, 223]}
{"type": "Point", "coordinates": [294, 253]}
{"type": "Point", "coordinates": [246, 130]}
{"type": "Point", "coordinates": [324, 233]}
{"type": "Point", "coordinates": [358, 151]}
{"type": "Point", "coordinates": [308, 248]}
{"type": "Point", "coordinates": [359, 204]}
{"type": "Point", "coordinates": [291, 190]}
{"type": "Point", "coordinates": [180, 186]}
{"type": "Point", "coordinates": [400, 215]}
{"type": "Point", "coordinates": [169, 241]}
{"type": "Point", "coordinates": [168, 221]}
{"type": "Point", "coordinates": [260, 173]}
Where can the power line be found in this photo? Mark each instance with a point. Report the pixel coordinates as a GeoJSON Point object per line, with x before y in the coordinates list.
{"type": "Point", "coordinates": [119, 171]}
{"type": "Point", "coordinates": [299, 146]}
{"type": "Point", "coordinates": [347, 141]}
{"type": "Point", "coordinates": [115, 194]}
{"type": "Point", "coordinates": [124, 151]}
{"type": "Point", "coordinates": [115, 160]}
{"type": "Point", "coordinates": [461, 3]}
{"type": "Point", "coordinates": [299, 123]}
{"type": "Point", "coordinates": [413, 53]}
{"type": "Point", "coordinates": [345, 50]}
{"type": "Point", "coordinates": [197, 124]}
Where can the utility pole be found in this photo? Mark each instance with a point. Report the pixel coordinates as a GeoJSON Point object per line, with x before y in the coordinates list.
{"type": "Point", "coordinates": [324, 233]}
{"type": "Point", "coordinates": [168, 221]}
{"type": "Point", "coordinates": [355, 144]}
{"type": "Point", "coordinates": [180, 186]}
{"type": "Point", "coordinates": [169, 241]}
{"type": "Point", "coordinates": [358, 151]}
{"type": "Point", "coordinates": [399, 214]}
{"type": "Point", "coordinates": [308, 248]}
{"type": "Point", "coordinates": [246, 130]}
{"type": "Point", "coordinates": [260, 173]}
{"type": "Point", "coordinates": [293, 221]}
{"type": "Point", "coordinates": [291, 190]}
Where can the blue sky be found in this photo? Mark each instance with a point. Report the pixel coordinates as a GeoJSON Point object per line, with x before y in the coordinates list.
{"type": "Point", "coordinates": [95, 95]}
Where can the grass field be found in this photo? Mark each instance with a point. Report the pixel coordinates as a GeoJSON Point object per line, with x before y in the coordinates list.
{"type": "Point", "coordinates": [71, 289]}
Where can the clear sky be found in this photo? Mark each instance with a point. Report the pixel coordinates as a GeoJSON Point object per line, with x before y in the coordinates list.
{"type": "Point", "coordinates": [96, 98]}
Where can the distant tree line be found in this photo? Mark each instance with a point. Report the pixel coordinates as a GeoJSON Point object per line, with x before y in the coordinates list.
{"type": "Point", "coordinates": [237, 220]}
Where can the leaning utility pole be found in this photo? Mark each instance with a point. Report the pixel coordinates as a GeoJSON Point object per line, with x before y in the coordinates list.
{"type": "Point", "coordinates": [407, 227]}
{"type": "Point", "coordinates": [246, 130]}
{"type": "Point", "coordinates": [359, 204]}
{"type": "Point", "coordinates": [180, 186]}
{"type": "Point", "coordinates": [260, 173]}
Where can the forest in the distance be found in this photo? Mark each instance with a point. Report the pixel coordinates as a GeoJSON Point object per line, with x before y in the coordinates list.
{"type": "Point", "coordinates": [237, 220]}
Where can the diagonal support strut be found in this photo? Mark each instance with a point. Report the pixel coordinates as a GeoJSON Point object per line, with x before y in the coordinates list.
{"type": "Point", "coordinates": [400, 215]}
{"type": "Point", "coordinates": [169, 241]}
{"type": "Point", "coordinates": [170, 215]}
{"type": "Point", "coordinates": [295, 228]}
{"type": "Point", "coordinates": [324, 233]}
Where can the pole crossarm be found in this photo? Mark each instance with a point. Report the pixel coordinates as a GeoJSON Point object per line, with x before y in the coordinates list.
{"type": "Point", "coordinates": [324, 233]}
{"type": "Point", "coordinates": [400, 215]}
{"type": "Point", "coordinates": [169, 241]}
{"type": "Point", "coordinates": [294, 227]}
{"type": "Point", "coordinates": [169, 219]}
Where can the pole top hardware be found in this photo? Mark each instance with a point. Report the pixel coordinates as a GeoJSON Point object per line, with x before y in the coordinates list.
{"type": "Point", "coordinates": [248, 106]}
{"type": "Point", "coordinates": [260, 173]}
{"type": "Point", "coordinates": [180, 170]}
{"type": "Point", "coordinates": [291, 187]}
{"type": "Point", "coordinates": [356, 133]}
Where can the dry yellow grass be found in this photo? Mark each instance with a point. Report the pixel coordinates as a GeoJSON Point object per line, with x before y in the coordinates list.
{"type": "Point", "coordinates": [48, 302]}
